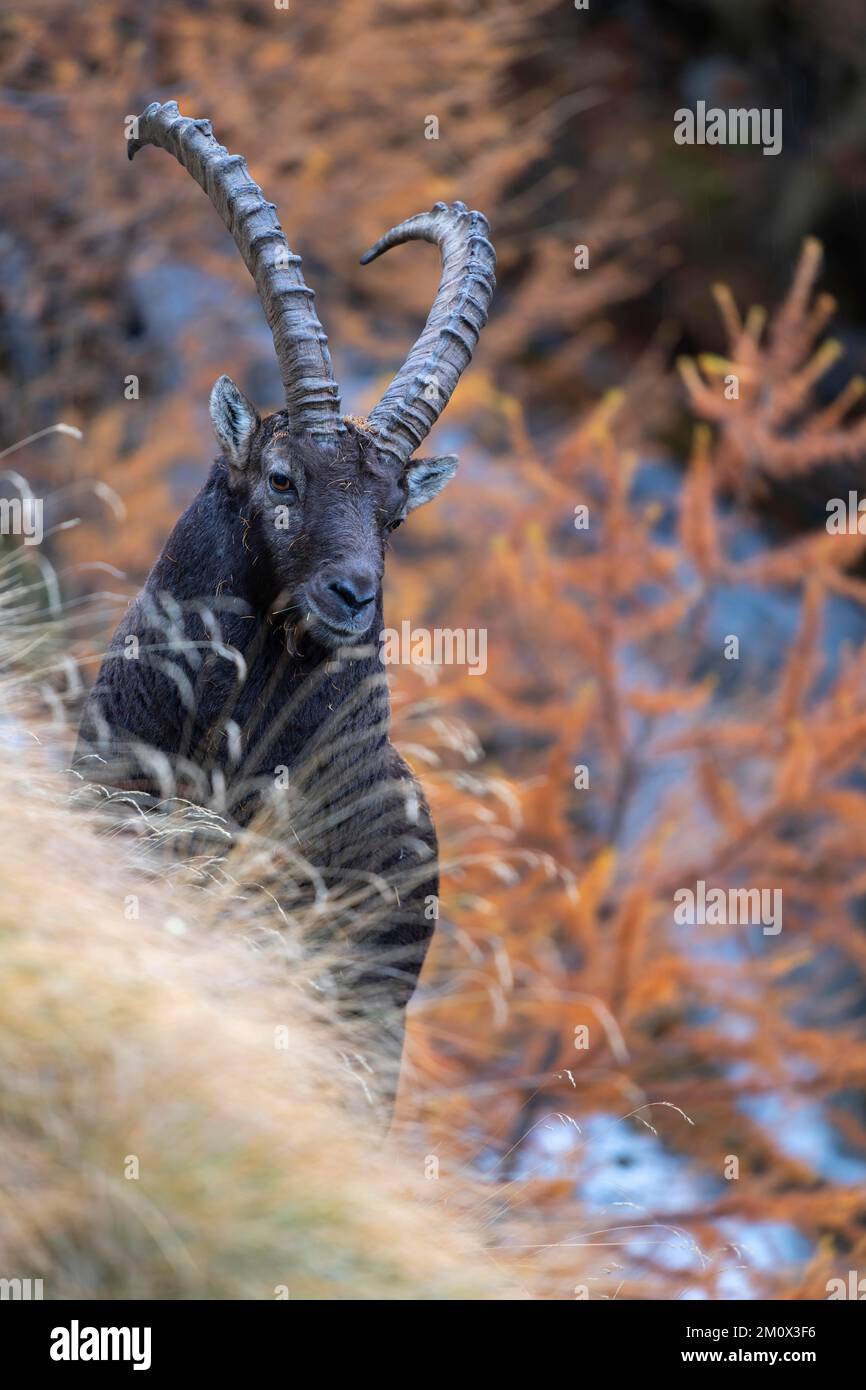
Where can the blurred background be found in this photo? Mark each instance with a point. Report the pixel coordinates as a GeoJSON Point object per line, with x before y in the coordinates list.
{"type": "Point", "coordinates": [660, 1110]}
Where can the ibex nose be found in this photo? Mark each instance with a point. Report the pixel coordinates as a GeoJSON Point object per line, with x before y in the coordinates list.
{"type": "Point", "coordinates": [354, 590]}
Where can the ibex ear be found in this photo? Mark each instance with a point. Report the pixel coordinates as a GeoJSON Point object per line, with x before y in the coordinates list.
{"type": "Point", "coordinates": [235, 420]}
{"type": "Point", "coordinates": [425, 478]}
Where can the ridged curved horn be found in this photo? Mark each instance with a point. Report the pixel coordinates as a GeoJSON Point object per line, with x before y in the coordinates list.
{"type": "Point", "coordinates": [312, 394]}
{"type": "Point", "coordinates": [424, 385]}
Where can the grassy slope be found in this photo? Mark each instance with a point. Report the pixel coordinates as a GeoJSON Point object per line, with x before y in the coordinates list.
{"type": "Point", "coordinates": [130, 1038]}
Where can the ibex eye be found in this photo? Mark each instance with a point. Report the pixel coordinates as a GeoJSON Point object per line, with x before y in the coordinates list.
{"type": "Point", "coordinates": [398, 521]}
{"type": "Point", "coordinates": [281, 482]}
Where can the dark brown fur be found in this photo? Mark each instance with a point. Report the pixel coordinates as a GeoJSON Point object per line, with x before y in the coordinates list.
{"type": "Point", "coordinates": [308, 694]}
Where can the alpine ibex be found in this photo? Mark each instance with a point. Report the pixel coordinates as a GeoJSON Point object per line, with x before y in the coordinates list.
{"type": "Point", "coordinates": [273, 576]}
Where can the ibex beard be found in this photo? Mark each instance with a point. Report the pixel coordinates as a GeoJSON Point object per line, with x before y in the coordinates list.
{"type": "Point", "coordinates": [247, 675]}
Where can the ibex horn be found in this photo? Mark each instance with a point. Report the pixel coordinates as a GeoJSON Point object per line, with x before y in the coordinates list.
{"type": "Point", "coordinates": [312, 394]}
{"type": "Point", "coordinates": [423, 387]}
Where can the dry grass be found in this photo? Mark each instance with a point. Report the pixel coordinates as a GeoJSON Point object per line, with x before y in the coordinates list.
{"type": "Point", "coordinates": [172, 1046]}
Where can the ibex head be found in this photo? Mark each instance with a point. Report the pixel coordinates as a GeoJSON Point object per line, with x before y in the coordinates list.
{"type": "Point", "coordinates": [321, 492]}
